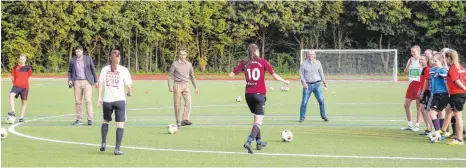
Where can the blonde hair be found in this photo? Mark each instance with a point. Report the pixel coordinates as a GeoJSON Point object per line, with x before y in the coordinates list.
{"type": "Point", "coordinates": [417, 48]}
{"type": "Point", "coordinates": [440, 57]}
{"type": "Point", "coordinates": [453, 55]}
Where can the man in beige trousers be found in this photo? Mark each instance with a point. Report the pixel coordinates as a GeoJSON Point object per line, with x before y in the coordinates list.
{"type": "Point", "coordinates": [81, 76]}
{"type": "Point", "coordinates": [181, 72]}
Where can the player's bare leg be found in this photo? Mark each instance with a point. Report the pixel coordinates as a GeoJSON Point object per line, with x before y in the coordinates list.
{"type": "Point", "coordinates": [418, 115]}
{"type": "Point", "coordinates": [23, 110]}
{"type": "Point", "coordinates": [12, 104]}
{"type": "Point", "coordinates": [407, 105]}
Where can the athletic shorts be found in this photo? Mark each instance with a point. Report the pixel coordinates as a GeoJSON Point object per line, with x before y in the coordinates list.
{"type": "Point", "coordinates": [120, 110]}
{"type": "Point", "coordinates": [438, 101]}
{"type": "Point", "coordinates": [23, 92]}
{"type": "Point", "coordinates": [413, 88]}
{"type": "Point", "coordinates": [256, 103]}
{"type": "Point", "coordinates": [457, 102]}
{"type": "Point", "coordinates": [425, 98]}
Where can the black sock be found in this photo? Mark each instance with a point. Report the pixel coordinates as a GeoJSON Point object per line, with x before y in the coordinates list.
{"type": "Point", "coordinates": [104, 131]}
{"type": "Point", "coordinates": [436, 123]}
{"type": "Point", "coordinates": [453, 125]}
{"type": "Point", "coordinates": [119, 137]}
{"type": "Point", "coordinates": [441, 123]}
{"type": "Point", "coordinates": [255, 130]}
{"type": "Point", "coordinates": [258, 137]}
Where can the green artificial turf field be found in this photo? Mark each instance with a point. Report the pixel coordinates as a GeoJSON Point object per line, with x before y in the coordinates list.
{"type": "Point", "coordinates": [364, 129]}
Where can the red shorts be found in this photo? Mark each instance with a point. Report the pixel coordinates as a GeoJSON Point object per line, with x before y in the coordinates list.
{"type": "Point", "coordinates": [413, 88]}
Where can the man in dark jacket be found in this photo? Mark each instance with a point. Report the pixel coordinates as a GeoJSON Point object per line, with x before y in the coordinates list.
{"type": "Point", "coordinates": [81, 76]}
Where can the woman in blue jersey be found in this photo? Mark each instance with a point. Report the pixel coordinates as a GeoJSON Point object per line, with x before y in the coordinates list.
{"type": "Point", "coordinates": [438, 87]}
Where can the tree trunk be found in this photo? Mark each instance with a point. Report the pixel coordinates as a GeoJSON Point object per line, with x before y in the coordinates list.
{"type": "Point", "coordinates": [137, 49]}
{"type": "Point", "coordinates": [147, 60]}
{"type": "Point", "coordinates": [98, 57]}
{"type": "Point", "coordinates": [150, 58]}
{"type": "Point", "coordinates": [156, 59]}
{"type": "Point", "coordinates": [129, 54]}
{"type": "Point", "coordinates": [263, 43]}
{"type": "Point", "coordinates": [70, 53]}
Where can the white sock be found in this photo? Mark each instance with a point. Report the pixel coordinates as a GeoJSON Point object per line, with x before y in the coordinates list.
{"type": "Point", "coordinates": [417, 124]}
{"type": "Point", "coordinates": [410, 123]}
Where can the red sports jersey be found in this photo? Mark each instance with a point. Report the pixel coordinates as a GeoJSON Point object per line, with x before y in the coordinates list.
{"type": "Point", "coordinates": [254, 74]}
{"type": "Point", "coordinates": [424, 77]}
{"type": "Point", "coordinates": [452, 76]}
{"type": "Point", "coordinates": [21, 75]}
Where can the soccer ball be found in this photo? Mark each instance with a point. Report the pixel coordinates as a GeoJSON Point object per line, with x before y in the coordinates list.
{"type": "Point", "coordinates": [238, 99]}
{"type": "Point", "coordinates": [3, 133]}
{"type": "Point", "coordinates": [287, 89]}
{"type": "Point", "coordinates": [287, 136]}
{"type": "Point", "coordinates": [434, 137]}
{"type": "Point", "coordinates": [172, 128]}
{"type": "Point", "coordinates": [10, 119]}
{"type": "Point", "coordinates": [271, 89]}
{"type": "Point", "coordinates": [282, 88]}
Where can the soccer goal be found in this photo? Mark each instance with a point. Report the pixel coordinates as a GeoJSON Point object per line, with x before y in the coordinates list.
{"type": "Point", "coordinates": [373, 65]}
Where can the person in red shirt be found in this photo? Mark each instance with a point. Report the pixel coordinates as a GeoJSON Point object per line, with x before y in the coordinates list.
{"type": "Point", "coordinates": [457, 91]}
{"type": "Point", "coordinates": [254, 69]}
{"type": "Point", "coordinates": [20, 76]}
{"type": "Point", "coordinates": [424, 60]}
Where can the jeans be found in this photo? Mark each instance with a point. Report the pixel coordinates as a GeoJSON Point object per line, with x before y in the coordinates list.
{"type": "Point", "coordinates": [317, 89]}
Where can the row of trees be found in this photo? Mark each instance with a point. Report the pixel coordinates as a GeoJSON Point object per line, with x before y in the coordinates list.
{"type": "Point", "coordinates": [216, 33]}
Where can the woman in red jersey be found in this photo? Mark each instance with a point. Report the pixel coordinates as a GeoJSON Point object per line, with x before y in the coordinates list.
{"type": "Point", "coordinates": [457, 92]}
{"type": "Point", "coordinates": [254, 69]}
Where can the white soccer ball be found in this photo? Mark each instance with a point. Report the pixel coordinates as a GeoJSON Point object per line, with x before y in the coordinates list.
{"type": "Point", "coordinates": [238, 99]}
{"type": "Point", "coordinates": [287, 88]}
{"type": "Point", "coordinates": [3, 133]}
{"type": "Point", "coordinates": [10, 119]}
{"type": "Point", "coordinates": [271, 89]}
{"type": "Point", "coordinates": [287, 136]}
{"type": "Point", "coordinates": [282, 88]}
{"type": "Point", "coordinates": [434, 137]}
{"type": "Point", "coordinates": [172, 128]}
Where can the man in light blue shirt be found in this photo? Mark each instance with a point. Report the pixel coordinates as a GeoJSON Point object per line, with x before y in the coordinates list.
{"type": "Point", "coordinates": [312, 74]}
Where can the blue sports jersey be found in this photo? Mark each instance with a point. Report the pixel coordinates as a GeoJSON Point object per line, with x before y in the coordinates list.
{"type": "Point", "coordinates": [438, 80]}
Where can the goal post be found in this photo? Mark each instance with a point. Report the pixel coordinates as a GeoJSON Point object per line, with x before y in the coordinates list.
{"type": "Point", "coordinates": [361, 64]}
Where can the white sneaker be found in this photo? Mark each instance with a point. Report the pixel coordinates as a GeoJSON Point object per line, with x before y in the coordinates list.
{"type": "Point", "coordinates": [415, 129]}
{"type": "Point", "coordinates": [407, 128]}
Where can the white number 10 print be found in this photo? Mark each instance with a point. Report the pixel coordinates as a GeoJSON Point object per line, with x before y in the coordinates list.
{"type": "Point", "coordinates": [255, 74]}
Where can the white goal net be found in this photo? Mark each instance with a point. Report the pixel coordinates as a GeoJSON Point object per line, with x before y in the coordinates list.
{"type": "Point", "coordinates": [375, 65]}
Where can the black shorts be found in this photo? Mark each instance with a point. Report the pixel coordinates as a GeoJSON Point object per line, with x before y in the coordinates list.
{"type": "Point", "coordinates": [23, 92]}
{"type": "Point", "coordinates": [457, 102]}
{"type": "Point", "coordinates": [438, 101]}
{"type": "Point", "coordinates": [120, 110]}
{"type": "Point", "coordinates": [256, 103]}
{"type": "Point", "coordinates": [425, 98]}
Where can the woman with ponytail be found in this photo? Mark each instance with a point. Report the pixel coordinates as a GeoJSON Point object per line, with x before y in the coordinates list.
{"type": "Point", "coordinates": [254, 69]}
{"type": "Point", "coordinates": [113, 78]}
{"type": "Point", "coordinates": [457, 98]}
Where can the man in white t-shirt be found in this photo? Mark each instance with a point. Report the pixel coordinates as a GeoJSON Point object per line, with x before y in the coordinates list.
{"type": "Point", "coordinates": [413, 69]}
{"type": "Point", "coordinates": [113, 78]}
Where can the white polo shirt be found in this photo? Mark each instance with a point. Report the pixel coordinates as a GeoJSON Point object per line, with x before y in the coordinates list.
{"type": "Point", "coordinates": [114, 83]}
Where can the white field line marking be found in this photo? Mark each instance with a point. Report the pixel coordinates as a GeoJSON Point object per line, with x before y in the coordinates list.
{"type": "Point", "coordinates": [12, 130]}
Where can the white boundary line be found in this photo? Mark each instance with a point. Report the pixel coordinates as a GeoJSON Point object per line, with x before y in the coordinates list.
{"type": "Point", "coordinates": [12, 130]}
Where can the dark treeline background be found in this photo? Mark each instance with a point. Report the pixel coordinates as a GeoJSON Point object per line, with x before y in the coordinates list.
{"type": "Point", "coordinates": [217, 33]}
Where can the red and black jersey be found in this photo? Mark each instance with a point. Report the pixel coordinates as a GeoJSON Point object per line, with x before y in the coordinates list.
{"type": "Point", "coordinates": [453, 75]}
{"type": "Point", "coordinates": [425, 77]}
{"type": "Point", "coordinates": [21, 74]}
{"type": "Point", "coordinates": [254, 74]}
